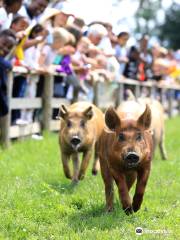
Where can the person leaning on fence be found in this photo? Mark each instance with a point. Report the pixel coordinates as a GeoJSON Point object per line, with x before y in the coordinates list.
{"type": "Point", "coordinates": [31, 56]}
{"type": "Point", "coordinates": [56, 58]}
{"type": "Point", "coordinates": [7, 42]}
{"type": "Point", "coordinates": [132, 66]}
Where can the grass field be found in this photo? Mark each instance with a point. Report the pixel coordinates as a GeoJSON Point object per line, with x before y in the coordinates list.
{"type": "Point", "coordinates": [38, 202]}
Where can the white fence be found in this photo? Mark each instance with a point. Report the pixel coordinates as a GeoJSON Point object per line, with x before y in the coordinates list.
{"type": "Point", "coordinates": [105, 94]}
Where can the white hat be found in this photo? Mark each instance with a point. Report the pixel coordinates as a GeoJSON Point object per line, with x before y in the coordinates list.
{"type": "Point", "coordinates": [48, 13]}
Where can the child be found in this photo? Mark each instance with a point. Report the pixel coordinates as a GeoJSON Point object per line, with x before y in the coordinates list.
{"type": "Point", "coordinates": [80, 60]}
{"type": "Point", "coordinates": [19, 23]}
{"type": "Point", "coordinates": [59, 53]}
{"type": "Point", "coordinates": [31, 59]}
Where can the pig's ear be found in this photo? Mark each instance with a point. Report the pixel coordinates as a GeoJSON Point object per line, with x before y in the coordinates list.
{"type": "Point", "coordinates": [111, 119]}
{"type": "Point", "coordinates": [63, 112]}
{"type": "Point", "coordinates": [145, 119]}
{"type": "Point", "coordinates": [88, 113]}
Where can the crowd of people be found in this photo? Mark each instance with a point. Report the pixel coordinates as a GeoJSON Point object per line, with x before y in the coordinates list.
{"type": "Point", "coordinates": [42, 37]}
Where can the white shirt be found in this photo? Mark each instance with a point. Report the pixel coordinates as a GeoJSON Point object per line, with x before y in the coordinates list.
{"type": "Point", "coordinates": [106, 46]}
{"type": "Point", "coordinates": [5, 19]}
{"type": "Point", "coordinates": [121, 52]}
{"type": "Point", "coordinates": [31, 56]}
{"type": "Point", "coordinates": [50, 55]}
{"type": "Point", "coordinates": [23, 12]}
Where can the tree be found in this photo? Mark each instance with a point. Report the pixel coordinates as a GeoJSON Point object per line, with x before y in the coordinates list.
{"type": "Point", "coordinates": [170, 29]}
{"type": "Point", "coordinates": [146, 16]}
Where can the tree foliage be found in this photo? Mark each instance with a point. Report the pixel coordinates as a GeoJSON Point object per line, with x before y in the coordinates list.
{"type": "Point", "coordinates": [147, 12]}
{"type": "Point", "coordinates": [170, 29]}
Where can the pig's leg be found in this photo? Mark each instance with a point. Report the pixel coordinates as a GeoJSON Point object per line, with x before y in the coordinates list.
{"type": "Point", "coordinates": [125, 199]}
{"type": "Point", "coordinates": [130, 179]}
{"type": "Point", "coordinates": [162, 147]}
{"type": "Point", "coordinates": [108, 182]}
{"type": "Point", "coordinates": [95, 167]}
{"type": "Point", "coordinates": [65, 159]}
{"type": "Point", "coordinates": [75, 159]}
{"type": "Point", "coordinates": [142, 179]}
{"type": "Point", "coordinates": [84, 164]}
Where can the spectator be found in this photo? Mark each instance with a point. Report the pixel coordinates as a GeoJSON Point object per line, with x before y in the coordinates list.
{"type": "Point", "coordinates": [6, 12]}
{"type": "Point", "coordinates": [79, 59]}
{"type": "Point", "coordinates": [132, 66]}
{"type": "Point", "coordinates": [145, 65]}
{"type": "Point", "coordinates": [61, 19]}
{"type": "Point", "coordinates": [121, 51]}
{"type": "Point", "coordinates": [99, 37]}
{"type": "Point", "coordinates": [96, 33]}
{"type": "Point", "coordinates": [31, 59]}
{"type": "Point", "coordinates": [160, 64]}
{"type": "Point", "coordinates": [59, 53]}
{"type": "Point", "coordinates": [33, 10]}
{"type": "Point", "coordinates": [19, 23]}
{"type": "Point", "coordinates": [7, 42]}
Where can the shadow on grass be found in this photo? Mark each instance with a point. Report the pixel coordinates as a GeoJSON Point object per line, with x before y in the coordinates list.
{"type": "Point", "coordinates": [97, 217]}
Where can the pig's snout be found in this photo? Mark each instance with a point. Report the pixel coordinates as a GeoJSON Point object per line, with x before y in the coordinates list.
{"type": "Point", "coordinates": [132, 157]}
{"type": "Point", "coordinates": [75, 141]}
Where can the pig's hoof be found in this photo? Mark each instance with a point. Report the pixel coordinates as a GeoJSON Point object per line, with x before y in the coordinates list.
{"type": "Point", "coordinates": [74, 181]}
{"type": "Point", "coordinates": [135, 209]}
{"type": "Point", "coordinates": [128, 210]}
{"type": "Point", "coordinates": [94, 172]}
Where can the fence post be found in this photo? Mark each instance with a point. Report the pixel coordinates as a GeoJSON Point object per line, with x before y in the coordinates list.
{"type": "Point", "coordinates": [170, 102]}
{"type": "Point", "coordinates": [120, 94]}
{"type": "Point", "coordinates": [153, 92]}
{"type": "Point", "coordinates": [137, 91]}
{"type": "Point", "coordinates": [162, 95]}
{"type": "Point", "coordinates": [96, 93]}
{"type": "Point", "coordinates": [6, 120]}
{"type": "Point", "coordinates": [47, 101]}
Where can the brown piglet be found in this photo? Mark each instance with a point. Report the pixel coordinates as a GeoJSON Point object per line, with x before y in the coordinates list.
{"type": "Point", "coordinates": [125, 151]}
{"type": "Point", "coordinates": [80, 127]}
{"type": "Point", "coordinates": [157, 122]}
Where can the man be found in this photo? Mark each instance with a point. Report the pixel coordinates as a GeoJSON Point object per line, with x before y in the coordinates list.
{"type": "Point", "coordinates": [33, 10]}
{"type": "Point", "coordinates": [7, 10]}
{"type": "Point", "coordinates": [96, 33]}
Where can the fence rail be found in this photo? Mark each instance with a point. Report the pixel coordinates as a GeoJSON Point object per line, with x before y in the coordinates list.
{"type": "Point", "coordinates": [105, 94]}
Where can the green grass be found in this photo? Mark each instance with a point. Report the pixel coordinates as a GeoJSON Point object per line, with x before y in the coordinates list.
{"type": "Point", "coordinates": [38, 202]}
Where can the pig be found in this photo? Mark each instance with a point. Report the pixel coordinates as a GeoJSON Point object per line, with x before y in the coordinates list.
{"type": "Point", "coordinates": [125, 151]}
{"type": "Point", "coordinates": [157, 123]}
{"type": "Point", "coordinates": [80, 128]}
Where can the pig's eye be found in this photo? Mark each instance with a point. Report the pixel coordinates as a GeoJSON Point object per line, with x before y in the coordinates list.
{"type": "Point", "coordinates": [139, 137]}
{"type": "Point", "coordinates": [121, 137]}
{"type": "Point", "coordinates": [69, 124]}
{"type": "Point", "coordinates": [82, 123]}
